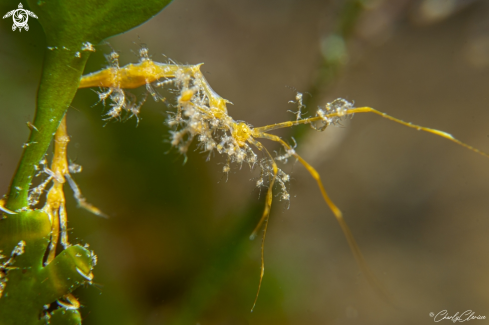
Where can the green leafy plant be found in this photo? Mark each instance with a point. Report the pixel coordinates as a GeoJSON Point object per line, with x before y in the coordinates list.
{"type": "Point", "coordinates": [29, 283]}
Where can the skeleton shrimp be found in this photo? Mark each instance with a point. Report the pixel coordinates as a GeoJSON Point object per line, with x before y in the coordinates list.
{"type": "Point", "coordinates": [57, 175]}
{"type": "Point", "coordinates": [201, 113]}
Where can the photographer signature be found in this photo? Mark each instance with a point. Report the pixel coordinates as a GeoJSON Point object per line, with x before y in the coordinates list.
{"type": "Point", "coordinates": [457, 317]}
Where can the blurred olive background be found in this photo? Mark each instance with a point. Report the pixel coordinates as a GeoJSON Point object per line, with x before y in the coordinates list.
{"type": "Point", "coordinates": [175, 249]}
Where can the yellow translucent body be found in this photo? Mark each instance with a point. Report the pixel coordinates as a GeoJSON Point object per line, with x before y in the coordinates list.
{"type": "Point", "coordinates": [148, 71]}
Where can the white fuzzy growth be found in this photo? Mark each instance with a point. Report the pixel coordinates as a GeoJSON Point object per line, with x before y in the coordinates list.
{"type": "Point", "coordinates": [35, 193]}
{"type": "Point", "coordinates": [87, 46]}
{"type": "Point", "coordinates": [333, 112]}
{"type": "Point", "coordinates": [19, 249]}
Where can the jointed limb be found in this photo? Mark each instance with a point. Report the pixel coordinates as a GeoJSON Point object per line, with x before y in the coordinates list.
{"type": "Point", "coordinates": [268, 199]}
{"type": "Point", "coordinates": [417, 127]}
{"type": "Point", "coordinates": [55, 200]}
{"type": "Point", "coordinates": [349, 112]}
{"type": "Point", "coordinates": [266, 214]}
{"type": "Point", "coordinates": [339, 217]}
{"type": "Point", "coordinates": [80, 199]}
{"type": "Point", "coordinates": [288, 124]}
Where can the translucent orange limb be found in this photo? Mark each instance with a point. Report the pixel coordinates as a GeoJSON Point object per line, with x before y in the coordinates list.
{"type": "Point", "coordinates": [288, 124]}
{"type": "Point", "coordinates": [55, 200]}
{"type": "Point", "coordinates": [82, 202]}
{"type": "Point", "coordinates": [260, 130]}
{"type": "Point", "coordinates": [417, 127]}
{"type": "Point", "coordinates": [265, 216]}
{"type": "Point", "coordinates": [339, 217]}
{"type": "Point", "coordinates": [268, 199]}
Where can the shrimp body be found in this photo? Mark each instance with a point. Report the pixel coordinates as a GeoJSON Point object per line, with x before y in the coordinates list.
{"type": "Point", "coordinates": [132, 75]}
{"type": "Point", "coordinates": [201, 113]}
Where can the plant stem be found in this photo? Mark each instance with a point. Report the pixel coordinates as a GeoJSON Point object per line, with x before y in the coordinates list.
{"type": "Point", "coordinates": [59, 82]}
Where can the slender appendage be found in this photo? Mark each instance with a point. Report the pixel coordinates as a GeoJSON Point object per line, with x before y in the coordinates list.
{"type": "Point", "coordinates": [55, 201]}
{"type": "Point", "coordinates": [265, 217]}
{"type": "Point", "coordinates": [352, 111]}
{"type": "Point", "coordinates": [262, 267]}
{"type": "Point", "coordinates": [268, 198]}
{"type": "Point", "coordinates": [417, 127]}
{"type": "Point", "coordinates": [288, 124]}
{"type": "Point", "coordinates": [338, 215]}
{"type": "Point", "coordinates": [80, 199]}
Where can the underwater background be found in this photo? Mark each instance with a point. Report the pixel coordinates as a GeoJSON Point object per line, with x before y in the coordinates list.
{"type": "Point", "coordinates": [175, 248]}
